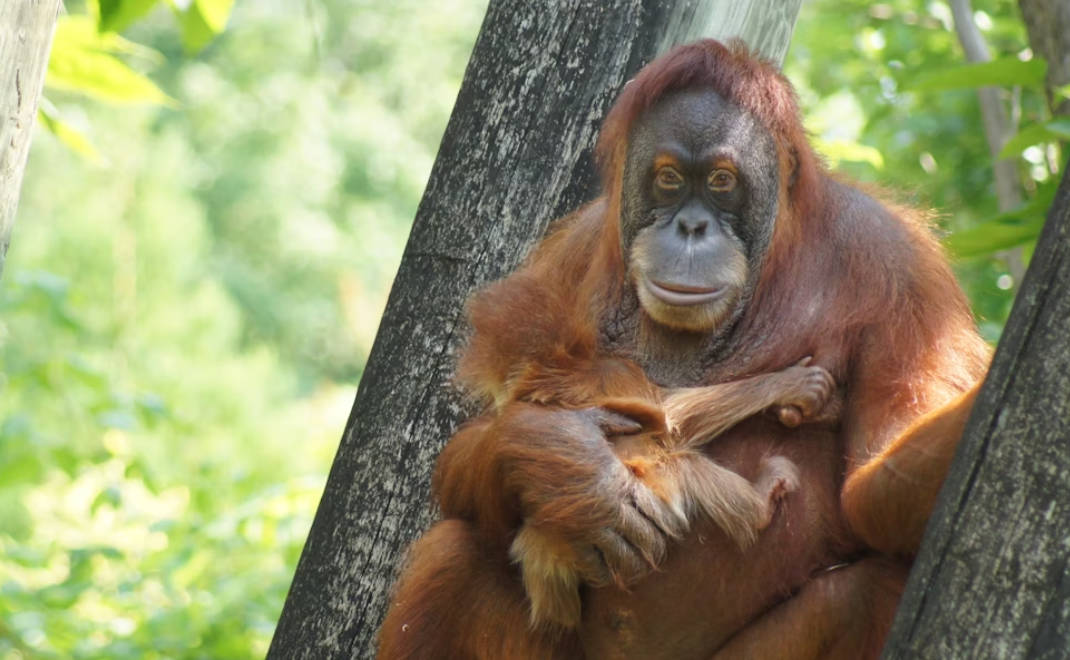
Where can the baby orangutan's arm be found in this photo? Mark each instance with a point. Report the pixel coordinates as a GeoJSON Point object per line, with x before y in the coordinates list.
{"type": "Point", "coordinates": [667, 460]}
{"type": "Point", "coordinates": [696, 415]}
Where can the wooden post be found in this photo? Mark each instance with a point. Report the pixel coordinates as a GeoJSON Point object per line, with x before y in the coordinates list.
{"type": "Point", "coordinates": [516, 154]}
{"type": "Point", "coordinates": [26, 28]}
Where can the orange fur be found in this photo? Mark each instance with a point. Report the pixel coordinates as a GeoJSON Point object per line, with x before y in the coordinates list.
{"type": "Point", "coordinates": [860, 285]}
{"type": "Point", "coordinates": [662, 452]}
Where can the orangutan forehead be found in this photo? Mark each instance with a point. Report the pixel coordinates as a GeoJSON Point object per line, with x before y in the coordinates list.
{"type": "Point", "coordinates": [699, 123]}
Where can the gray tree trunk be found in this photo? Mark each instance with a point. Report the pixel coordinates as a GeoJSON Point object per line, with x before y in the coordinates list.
{"type": "Point", "coordinates": [1048, 23]}
{"type": "Point", "coordinates": [516, 154]}
{"type": "Point", "coordinates": [998, 128]}
{"type": "Point", "coordinates": [992, 579]}
{"type": "Point", "coordinates": [25, 38]}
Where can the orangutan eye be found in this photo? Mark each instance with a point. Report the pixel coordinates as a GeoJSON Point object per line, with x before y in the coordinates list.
{"type": "Point", "coordinates": [668, 179]}
{"type": "Point", "coordinates": [721, 181]}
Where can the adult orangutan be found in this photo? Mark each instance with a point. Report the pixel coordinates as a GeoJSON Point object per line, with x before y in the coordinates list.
{"type": "Point", "coordinates": [719, 254]}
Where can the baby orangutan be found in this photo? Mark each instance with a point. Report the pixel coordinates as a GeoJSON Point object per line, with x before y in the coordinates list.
{"type": "Point", "coordinates": [659, 438]}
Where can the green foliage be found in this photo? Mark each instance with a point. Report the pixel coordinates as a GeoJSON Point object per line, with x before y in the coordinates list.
{"type": "Point", "coordinates": [188, 305]}
{"type": "Point", "coordinates": [88, 56]}
{"type": "Point", "coordinates": [117, 15]}
{"type": "Point", "coordinates": [85, 60]}
{"type": "Point", "coordinates": [201, 20]}
{"type": "Point", "coordinates": [1049, 131]}
{"type": "Point", "coordinates": [1005, 71]}
{"type": "Point", "coordinates": [889, 79]}
{"type": "Point", "coordinates": [186, 312]}
{"type": "Point", "coordinates": [1005, 230]}
{"type": "Point", "coordinates": [75, 140]}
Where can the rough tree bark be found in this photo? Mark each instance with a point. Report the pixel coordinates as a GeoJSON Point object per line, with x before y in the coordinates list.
{"type": "Point", "coordinates": [515, 155]}
{"type": "Point", "coordinates": [992, 579]}
{"type": "Point", "coordinates": [1048, 23]}
{"type": "Point", "coordinates": [26, 28]}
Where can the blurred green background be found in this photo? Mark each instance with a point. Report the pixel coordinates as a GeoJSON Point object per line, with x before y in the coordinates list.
{"type": "Point", "coordinates": [205, 240]}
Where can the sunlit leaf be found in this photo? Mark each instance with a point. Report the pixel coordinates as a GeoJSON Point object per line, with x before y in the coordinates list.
{"type": "Point", "coordinates": [79, 32]}
{"type": "Point", "coordinates": [115, 15]}
{"type": "Point", "coordinates": [67, 134]}
{"type": "Point", "coordinates": [1056, 129]}
{"type": "Point", "coordinates": [201, 20]}
{"type": "Point", "coordinates": [82, 61]}
{"type": "Point", "coordinates": [102, 76]}
{"type": "Point", "coordinates": [1005, 72]}
{"type": "Point", "coordinates": [215, 13]}
{"type": "Point", "coordinates": [195, 31]}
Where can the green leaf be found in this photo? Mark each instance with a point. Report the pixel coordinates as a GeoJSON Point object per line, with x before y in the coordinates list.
{"type": "Point", "coordinates": [1004, 72]}
{"type": "Point", "coordinates": [1006, 230]}
{"type": "Point", "coordinates": [201, 20]}
{"type": "Point", "coordinates": [988, 238]}
{"type": "Point", "coordinates": [215, 13]}
{"type": "Point", "coordinates": [67, 134]}
{"type": "Point", "coordinates": [82, 61]}
{"type": "Point", "coordinates": [78, 32]}
{"type": "Point", "coordinates": [1056, 129]}
{"type": "Point", "coordinates": [116, 15]}
{"type": "Point", "coordinates": [1060, 126]}
{"type": "Point", "coordinates": [104, 77]}
{"type": "Point", "coordinates": [837, 151]}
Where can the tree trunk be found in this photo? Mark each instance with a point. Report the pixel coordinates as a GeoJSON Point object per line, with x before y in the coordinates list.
{"type": "Point", "coordinates": [998, 128]}
{"type": "Point", "coordinates": [1048, 23]}
{"type": "Point", "coordinates": [992, 579]}
{"type": "Point", "coordinates": [25, 38]}
{"type": "Point", "coordinates": [516, 154]}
